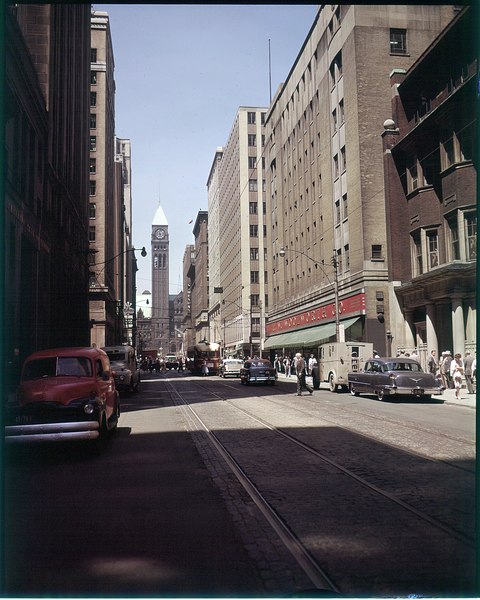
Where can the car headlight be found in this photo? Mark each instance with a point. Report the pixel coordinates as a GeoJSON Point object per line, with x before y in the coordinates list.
{"type": "Point", "coordinates": [89, 408]}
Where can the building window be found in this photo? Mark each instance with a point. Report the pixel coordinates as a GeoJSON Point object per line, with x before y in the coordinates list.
{"type": "Point", "coordinates": [93, 120]}
{"type": "Point", "coordinates": [92, 210]}
{"type": "Point", "coordinates": [398, 41]}
{"type": "Point", "coordinates": [252, 162]}
{"type": "Point", "coordinates": [377, 252]}
{"type": "Point", "coordinates": [471, 235]}
{"type": "Point", "coordinates": [255, 299]}
{"type": "Point", "coordinates": [252, 208]}
{"type": "Point", "coordinates": [93, 77]}
{"type": "Point", "coordinates": [93, 55]}
{"type": "Point", "coordinates": [448, 152]}
{"type": "Point", "coordinates": [93, 187]}
{"type": "Point", "coordinates": [412, 175]}
{"type": "Point", "coordinates": [453, 238]}
{"type": "Point", "coordinates": [335, 166]}
{"type": "Point", "coordinates": [93, 143]}
{"type": "Point", "coordinates": [417, 254]}
{"type": "Point", "coordinates": [343, 154]}
{"type": "Point", "coordinates": [254, 277]}
{"type": "Point", "coordinates": [253, 253]}
{"type": "Point", "coordinates": [251, 118]}
{"type": "Point", "coordinates": [346, 254]}
{"type": "Point", "coordinates": [255, 324]}
{"type": "Point", "coordinates": [252, 139]}
{"type": "Point", "coordinates": [432, 249]}
{"type": "Point", "coordinates": [334, 120]}
{"type": "Point", "coordinates": [93, 165]}
{"type": "Point", "coordinates": [91, 233]}
{"type": "Point", "coordinates": [93, 98]}
{"type": "Point", "coordinates": [345, 206]}
{"type": "Point", "coordinates": [337, 212]}
{"type": "Point", "coordinates": [341, 108]}
{"type": "Point", "coordinates": [253, 230]}
{"type": "Point", "coordinates": [252, 185]}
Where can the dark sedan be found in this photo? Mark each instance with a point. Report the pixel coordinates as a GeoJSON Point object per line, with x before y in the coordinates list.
{"type": "Point", "coordinates": [258, 370]}
{"type": "Point", "coordinates": [393, 377]}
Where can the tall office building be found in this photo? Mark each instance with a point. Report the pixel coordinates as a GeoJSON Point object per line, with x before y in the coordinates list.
{"type": "Point", "coordinates": [160, 321]}
{"type": "Point", "coordinates": [46, 122]}
{"type": "Point", "coordinates": [236, 192]}
{"type": "Point", "coordinates": [105, 238]}
{"type": "Point", "coordinates": [326, 200]}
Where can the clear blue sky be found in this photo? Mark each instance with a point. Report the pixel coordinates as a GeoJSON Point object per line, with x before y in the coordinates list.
{"type": "Point", "coordinates": [181, 72]}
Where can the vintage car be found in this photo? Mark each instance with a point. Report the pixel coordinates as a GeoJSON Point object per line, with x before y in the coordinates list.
{"type": "Point", "coordinates": [230, 367]}
{"type": "Point", "coordinates": [257, 370]}
{"type": "Point", "coordinates": [64, 394]}
{"type": "Point", "coordinates": [124, 366]}
{"type": "Point", "coordinates": [171, 362]}
{"type": "Point", "coordinates": [393, 377]}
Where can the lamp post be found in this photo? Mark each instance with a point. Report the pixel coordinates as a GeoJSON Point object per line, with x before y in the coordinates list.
{"type": "Point", "coordinates": [282, 252]}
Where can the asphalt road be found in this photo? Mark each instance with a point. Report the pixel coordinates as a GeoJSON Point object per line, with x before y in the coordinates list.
{"type": "Point", "coordinates": [157, 513]}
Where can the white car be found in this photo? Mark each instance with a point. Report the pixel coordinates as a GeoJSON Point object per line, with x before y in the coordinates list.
{"type": "Point", "coordinates": [230, 367]}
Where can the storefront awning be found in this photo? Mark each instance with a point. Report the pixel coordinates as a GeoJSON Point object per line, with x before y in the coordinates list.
{"type": "Point", "coordinates": [306, 337]}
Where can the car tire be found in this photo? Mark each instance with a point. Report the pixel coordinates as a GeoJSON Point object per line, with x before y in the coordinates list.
{"type": "Point", "coordinates": [381, 395]}
{"type": "Point", "coordinates": [353, 391]}
{"type": "Point", "coordinates": [331, 383]}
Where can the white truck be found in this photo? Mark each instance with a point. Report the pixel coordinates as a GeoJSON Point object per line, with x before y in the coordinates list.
{"type": "Point", "coordinates": [337, 359]}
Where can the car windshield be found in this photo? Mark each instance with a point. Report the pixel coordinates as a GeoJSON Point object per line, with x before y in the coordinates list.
{"type": "Point", "coordinates": [403, 366]}
{"type": "Point", "coordinates": [57, 366]}
{"type": "Point", "coordinates": [117, 357]}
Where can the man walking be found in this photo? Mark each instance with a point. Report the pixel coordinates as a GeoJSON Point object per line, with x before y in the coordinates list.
{"type": "Point", "coordinates": [300, 371]}
{"type": "Point", "coordinates": [468, 364]}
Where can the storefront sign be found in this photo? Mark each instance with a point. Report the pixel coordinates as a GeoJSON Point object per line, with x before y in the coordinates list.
{"type": "Point", "coordinates": [353, 305]}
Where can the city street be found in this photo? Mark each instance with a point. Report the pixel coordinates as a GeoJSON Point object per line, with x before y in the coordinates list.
{"type": "Point", "coordinates": [212, 488]}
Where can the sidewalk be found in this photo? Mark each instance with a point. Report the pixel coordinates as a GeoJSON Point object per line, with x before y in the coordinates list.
{"type": "Point", "coordinates": [448, 396]}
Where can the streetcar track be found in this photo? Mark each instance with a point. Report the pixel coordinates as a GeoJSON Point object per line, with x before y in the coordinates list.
{"type": "Point", "coordinates": [469, 541]}
{"type": "Point", "coordinates": [389, 444]}
{"type": "Point", "coordinates": [408, 426]}
{"type": "Point", "coordinates": [313, 570]}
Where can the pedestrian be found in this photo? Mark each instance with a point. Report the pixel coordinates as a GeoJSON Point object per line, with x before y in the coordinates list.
{"type": "Point", "coordinates": [456, 371]}
{"type": "Point", "coordinates": [312, 361]}
{"type": "Point", "coordinates": [432, 363]}
{"type": "Point", "coordinates": [204, 369]}
{"type": "Point", "coordinates": [468, 366]}
{"type": "Point", "coordinates": [288, 366]}
{"type": "Point", "coordinates": [300, 371]}
{"type": "Point", "coordinates": [447, 361]}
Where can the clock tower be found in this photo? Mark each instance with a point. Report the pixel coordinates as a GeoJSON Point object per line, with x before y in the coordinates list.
{"type": "Point", "coordinates": [160, 282]}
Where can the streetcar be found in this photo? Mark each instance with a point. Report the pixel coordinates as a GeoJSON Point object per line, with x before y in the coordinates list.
{"type": "Point", "coordinates": [204, 351]}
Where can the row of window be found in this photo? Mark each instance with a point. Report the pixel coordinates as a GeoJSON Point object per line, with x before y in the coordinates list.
{"type": "Point", "coordinates": [253, 208]}
{"type": "Point", "coordinates": [461, 243]}
{"type": "Point", "coordinates": [252, 118]}
{"type": "Point", "coordinates": [253, 185]}
{"type": "Point", "coordinates": [455, 148]}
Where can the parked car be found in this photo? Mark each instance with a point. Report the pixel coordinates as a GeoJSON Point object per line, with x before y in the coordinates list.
{"type": "Point", "coordinates": [124, 366]}
{"type": "Point", "coordinates": [230, 367]}
{"type": "Point", "coordinates": [64, 394]}
{"type": "Point", "coordinates": [258, 370]}
{"type": "Point", "coordinates": [393, 377]}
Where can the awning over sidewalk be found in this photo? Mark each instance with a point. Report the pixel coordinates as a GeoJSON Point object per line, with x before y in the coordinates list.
{"type": "Point", "coordinates": [306, 337]}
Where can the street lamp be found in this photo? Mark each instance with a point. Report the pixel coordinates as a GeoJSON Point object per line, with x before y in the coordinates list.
{"type": "Point", "coordinates": [282, 252]}
{"type": "Point", "coordinates": [143, 253]}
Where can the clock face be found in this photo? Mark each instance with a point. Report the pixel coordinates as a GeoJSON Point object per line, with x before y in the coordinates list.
{"type": "Point", "coordinates": [160, 234]}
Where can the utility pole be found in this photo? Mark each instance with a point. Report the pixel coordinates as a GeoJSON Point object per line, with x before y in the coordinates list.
{"type": "Point", "coordinates": [335, 283]}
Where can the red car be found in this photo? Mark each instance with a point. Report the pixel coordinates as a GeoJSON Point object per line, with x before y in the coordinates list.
{"type": "Point", "coordinates": [64, 394]}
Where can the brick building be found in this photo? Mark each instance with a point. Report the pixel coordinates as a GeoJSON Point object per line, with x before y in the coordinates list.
{"type": "Point", "coordinates": [430, 183]}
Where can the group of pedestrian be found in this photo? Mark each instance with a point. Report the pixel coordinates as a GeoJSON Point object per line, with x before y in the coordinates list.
{"type": "Point", "coordinates": [453, 369]}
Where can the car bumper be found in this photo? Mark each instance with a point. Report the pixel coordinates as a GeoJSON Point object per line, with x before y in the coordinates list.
{"type": "Point", "coordinates": [256, 378]}
{"type": "Point", "coordinates": [407, 391]}
{"type": "Point", "coordinates": [52, 432]}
